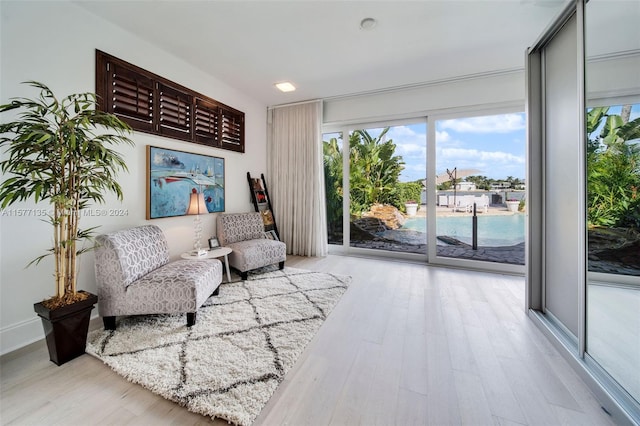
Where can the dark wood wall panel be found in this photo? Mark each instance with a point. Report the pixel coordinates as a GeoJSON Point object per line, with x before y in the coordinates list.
{"type": "Point", "coordinates": [153, 104]}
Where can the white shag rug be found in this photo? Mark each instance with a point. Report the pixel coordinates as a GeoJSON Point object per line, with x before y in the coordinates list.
{"type": "Point", "coordinates": [243, 343]}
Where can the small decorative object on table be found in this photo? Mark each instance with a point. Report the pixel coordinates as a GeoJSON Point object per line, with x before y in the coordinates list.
{"type": "Point", "coordinates": [199, 252]}
{"type": "Point", "coordinates": [213, 243]}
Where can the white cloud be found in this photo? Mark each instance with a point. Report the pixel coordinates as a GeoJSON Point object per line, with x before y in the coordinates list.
{"type": "Point", "coordinates": [449, 154]}
{"type": "Point", "coordinates": [504, 123]}
{"type": "Point", "coordinates": [413, 172]}
{"type": "Point", "coordinates": [402, 131]}
{"type": "Point", "coordinates": [409, 143]}
{"type": "Point", "coordinates": [411, 150]}
{"type": "Point", "coordinates": [442, 136]}
{"type": "Point", "coordinates": [403, 135]}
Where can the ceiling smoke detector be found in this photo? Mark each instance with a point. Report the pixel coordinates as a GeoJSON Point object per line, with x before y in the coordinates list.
{"type": "Point", "coordinates": [368, 24]}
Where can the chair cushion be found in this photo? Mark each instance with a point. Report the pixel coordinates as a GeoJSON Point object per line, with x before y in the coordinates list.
{"type": "Point", "coordinates": [180, 286]}
{"type": "Point", "coordinates": [138, 250]}
{"type": "Point", "coordinates": [234, 227]}
{"type": "Point", "coordinates": [252, 254]}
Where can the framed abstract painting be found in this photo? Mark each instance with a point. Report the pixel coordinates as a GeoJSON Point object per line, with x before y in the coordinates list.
{"type": "Point", "coordinates": [173, 176]}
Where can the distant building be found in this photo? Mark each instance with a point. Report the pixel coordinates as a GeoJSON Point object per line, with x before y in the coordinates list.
{"type": "Point", "coordinates": [499, 186]}
{"type": "Point", "coordinates": [466, 186]}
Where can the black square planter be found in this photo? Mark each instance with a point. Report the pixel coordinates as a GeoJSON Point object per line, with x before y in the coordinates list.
{"type": "Point", "coordinates": [66, 328]}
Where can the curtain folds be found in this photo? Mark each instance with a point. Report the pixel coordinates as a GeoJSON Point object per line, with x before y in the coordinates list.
{"type": "Point", "coordinates": [296, 177]}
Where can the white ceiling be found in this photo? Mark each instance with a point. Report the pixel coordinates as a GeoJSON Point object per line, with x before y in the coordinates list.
{"type": "Point", "coordinates": [319, 46]}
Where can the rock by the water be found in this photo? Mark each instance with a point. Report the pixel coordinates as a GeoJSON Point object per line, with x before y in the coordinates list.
{"type": "Point", "coordinates": [611, 238]}
{"type": "Point", "coordinates": [389, 215]}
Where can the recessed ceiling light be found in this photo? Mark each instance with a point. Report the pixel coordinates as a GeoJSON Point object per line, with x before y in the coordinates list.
{"type": "Point", "coordinates": [285, 86]}
{"type": "Point", "coordinates": [368, 23]}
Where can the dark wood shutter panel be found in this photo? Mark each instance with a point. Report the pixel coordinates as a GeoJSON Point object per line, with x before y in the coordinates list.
{"type": "Point", "coordinates": [232, 130]}
{"type": "Point", "coordinates": [206, 123]}
{"type": "Point", "coordinates": [131, 97]}
{"type": "Point", "coordinates": [175, 112]}
{"type": "Point", "coordinates": [153, 104]}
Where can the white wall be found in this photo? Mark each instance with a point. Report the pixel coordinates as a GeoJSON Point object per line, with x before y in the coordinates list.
{"type": "Point", "coordinates": [613, 80]}
{"type": "Point", "coordinates": [451, 96]}
{"type": "Point", "coordinates": [55, 42]}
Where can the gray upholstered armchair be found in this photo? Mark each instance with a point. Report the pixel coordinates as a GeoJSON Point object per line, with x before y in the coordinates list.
{"type": "Point", "coordinates": [244, 234]}
{"type": "Point", "coordinates": [135, 277]}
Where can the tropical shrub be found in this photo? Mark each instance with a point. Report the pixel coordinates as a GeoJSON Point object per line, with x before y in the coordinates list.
{"type": "Point", "coordinates": [333, 185]}
{"type": "Point", "coordinates": [406, 191]}
{"type": "Point", "coordinates": [374, 170]}
{"type": "Point", "coordinates": [374, 173]}
{"type": "Point", "coordinates": [613, 170]}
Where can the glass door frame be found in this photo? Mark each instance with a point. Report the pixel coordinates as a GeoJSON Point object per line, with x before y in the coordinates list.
{"type": "Point", "coordinates": [345, 129]}
{"type": "Point", "coordinates": [571, 345]}
{"type": "Point", "coordinates": [432, 254]}
{"type": "Point", "coordinates": [603, 277]}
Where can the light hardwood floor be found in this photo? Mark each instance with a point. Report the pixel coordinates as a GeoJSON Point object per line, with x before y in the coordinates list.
{"type": "Point", "coordinates": [407, 344]}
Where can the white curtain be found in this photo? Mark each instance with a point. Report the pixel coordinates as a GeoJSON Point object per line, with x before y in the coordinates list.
{"type": "Point", "coordinates": [295, 175]}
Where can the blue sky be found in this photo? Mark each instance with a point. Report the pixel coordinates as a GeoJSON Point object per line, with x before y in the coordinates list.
{"type": "Point", "coordinates": [495, 145]}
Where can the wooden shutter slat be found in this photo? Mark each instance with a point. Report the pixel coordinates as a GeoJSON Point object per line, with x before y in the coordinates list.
{"type": "Point", "coordinates": [153, 104]}
{"type": "Point", "coordinates": [131, 97]}
{"type": "Point", "coordinates": [206, 122]}
{"type": "Point", "coordinates": [170, 105]}
{"type": "Point", "coordinates": [232, 130]}
{"type": "Point", "coordinates": [174, 115]}
{"type": "Point", "coordinates": [175, 112]}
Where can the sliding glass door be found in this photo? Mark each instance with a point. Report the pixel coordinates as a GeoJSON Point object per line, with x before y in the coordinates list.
{"type": "Point", "coordinates": [480, 203]}
{"type": "Point", "coordinates": [379, 180]}
{"type": "Point", "coordinates": [613, 190]}
{"type": "Point", "coordinates": [583, 273]}
{"type": "Point", "coordinates": [332, 147]}
{"type": "Point", "coordinates": [376, 194]}
{"type": "Point", "coordinates": [387, 171]}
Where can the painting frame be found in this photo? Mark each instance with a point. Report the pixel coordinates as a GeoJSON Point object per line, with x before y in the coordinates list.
{"type": "Point", "coordinates": [173, 175]}
{"type": "Point", "coordinates": [213, 243]}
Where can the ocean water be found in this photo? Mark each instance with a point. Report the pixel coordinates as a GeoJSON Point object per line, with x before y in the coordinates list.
{"type": "Point", "coordinates": [493, 231]}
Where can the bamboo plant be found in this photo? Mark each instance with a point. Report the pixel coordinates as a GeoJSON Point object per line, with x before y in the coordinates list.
{"type": "Point", "coordinates": [60, 150]}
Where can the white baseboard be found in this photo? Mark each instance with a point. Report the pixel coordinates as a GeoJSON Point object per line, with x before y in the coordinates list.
{"type": "Point", "coordinates": [21, 334]}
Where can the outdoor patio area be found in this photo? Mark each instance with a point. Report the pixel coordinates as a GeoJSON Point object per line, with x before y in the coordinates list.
{"type": "Point", "coordinates": [372, 234]}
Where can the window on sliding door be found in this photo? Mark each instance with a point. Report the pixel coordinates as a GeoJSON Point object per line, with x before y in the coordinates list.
{"type": "Point", "coordinates": [333, 165]}
{"type": "Point", "coordinates": [387, 188]}
{"type": "Point", "coordinates": [480, 202]}
{"type": "Point", "coordinates": [385, 174]}
{"type": "Point", "coordinates": [613, 193]}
